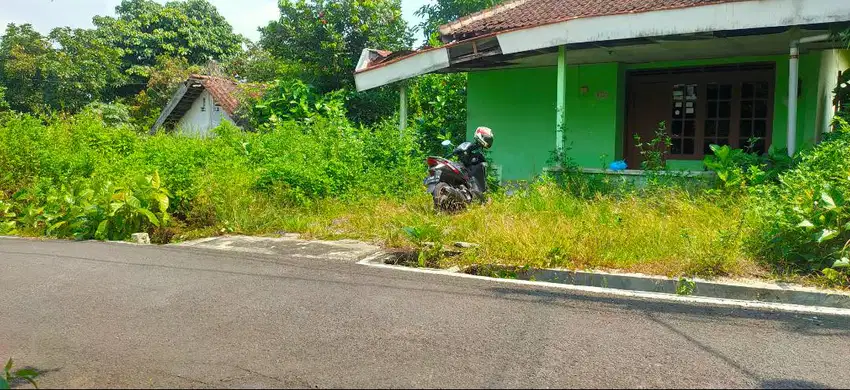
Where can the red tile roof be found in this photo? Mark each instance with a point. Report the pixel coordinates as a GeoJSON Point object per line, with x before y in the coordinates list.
{"type": "Point", "coordinates": [514, 14]}
{"type": "Point", "coordinates": [223, 90]}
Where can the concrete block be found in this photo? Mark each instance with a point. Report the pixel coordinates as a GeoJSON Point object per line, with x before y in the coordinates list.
{"type": "Point", "coordinates": [140, 238]}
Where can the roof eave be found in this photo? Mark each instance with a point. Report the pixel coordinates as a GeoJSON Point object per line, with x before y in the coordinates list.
{"type": "Point", "coordinates": [175, 99]}
{"type": "Point", "coordinates": [729, 16]}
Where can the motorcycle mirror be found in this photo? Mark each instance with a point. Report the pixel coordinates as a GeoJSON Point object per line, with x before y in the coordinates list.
{"type": "Point", "coordinates": [446, 143]}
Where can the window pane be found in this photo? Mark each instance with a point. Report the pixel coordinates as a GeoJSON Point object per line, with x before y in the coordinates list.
{"type": "Point", "coordinates": [690, 128]}
{"type": "Point", "coordinates": [677, 110]}
{"type": "Point", "coordinates": [723, 129]}
{"type": "Point", "coordinates": [760, 128]}
{"type": "Point", "coordinates": [760, 109]}
{"type": "Point", "coordinates": [759, 146]}
{"type": "Point", "coordinates": [706, 148]}
{"type": "Point", "coordinates": [726, 91]}
{"type": "Point", "coordinates": [676, 147]}
{"type": "Point", "coordinates": [746, 109]}
{"type": "Point", "coordinates": [676, 129]}
{"type": "Point", "coordinates": [711, 91]}
{"type": "Point", "coordinates": [712, 110]}
{"type": "Point", "coordinates": [761, 90]}
{"type": "Point", "coordinates": [691, 92]}
{"type": "Point", "coordinates": [725, 110]}
{"type": "Point", "coordinates": [746, 128]}
{"type": "Point", "coordinates": [678, 92]}
{"type": "Point", "coordinates": [710, 128]}
{"type": "Point", "coordinates": [688, 146]}
{"type": "Point", "coordinates": [747, 91]}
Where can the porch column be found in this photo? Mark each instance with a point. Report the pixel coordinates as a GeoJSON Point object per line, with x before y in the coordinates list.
{"type": "Point", "coordinates": [793, 76]}
{"type": "Point", "coordinates": [560, 105]}
{"type": "Point", "coordinates": [402, 108]}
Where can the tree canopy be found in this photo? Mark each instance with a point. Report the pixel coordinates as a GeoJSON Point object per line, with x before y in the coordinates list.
{"type": "Point", "coordinates": [190, 29]}
{"type": "Point", "coordinates": [326, 37]}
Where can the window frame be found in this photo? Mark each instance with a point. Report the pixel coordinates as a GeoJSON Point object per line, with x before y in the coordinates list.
{"type": "Point", "coordinates": [736, 75]}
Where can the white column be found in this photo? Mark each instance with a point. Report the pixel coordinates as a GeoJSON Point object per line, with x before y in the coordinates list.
{"type": "Point", "coordinates": [560, 103]}
{"type": "Point", "coordinates": [793, 77]}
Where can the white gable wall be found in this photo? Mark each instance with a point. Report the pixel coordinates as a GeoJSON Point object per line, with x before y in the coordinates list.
{"type": "Point", "coordinates": [202, 117]}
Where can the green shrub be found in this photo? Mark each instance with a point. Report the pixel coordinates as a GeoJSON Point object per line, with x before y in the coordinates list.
{"type": "Point", "coordinates": [58, 172]}
{"type": "Point", "coordinates": [803, 220]}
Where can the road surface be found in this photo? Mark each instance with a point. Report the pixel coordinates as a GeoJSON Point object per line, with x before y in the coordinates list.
{"type": "Point", "coordinates": [90, 314]}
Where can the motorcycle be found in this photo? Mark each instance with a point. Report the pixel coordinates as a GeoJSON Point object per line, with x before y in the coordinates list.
{"type": "Point", "coordinates": [455, 184]}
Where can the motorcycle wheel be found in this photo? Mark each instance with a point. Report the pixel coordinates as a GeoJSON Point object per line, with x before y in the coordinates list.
{"type": "Point", "coordinates": [444, 200]}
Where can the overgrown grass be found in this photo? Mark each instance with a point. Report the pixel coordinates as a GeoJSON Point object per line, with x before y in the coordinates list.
{"type": "Point", "coordinates": [674, 233]}
{"type": "Point", "coordinates": [77, 177]}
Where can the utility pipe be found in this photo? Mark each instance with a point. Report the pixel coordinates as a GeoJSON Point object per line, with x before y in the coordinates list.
{"type": "Point", "coordinates": [793, 85]}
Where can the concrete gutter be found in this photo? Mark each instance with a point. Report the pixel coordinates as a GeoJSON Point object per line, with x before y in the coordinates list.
{"type": "Point", "coordinates": [752, 291]}
{"type": "Point", "coordinates": [758, 295]}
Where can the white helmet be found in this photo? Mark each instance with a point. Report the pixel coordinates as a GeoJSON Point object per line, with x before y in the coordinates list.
{"type": "Point", "coordinates": [484, 137]}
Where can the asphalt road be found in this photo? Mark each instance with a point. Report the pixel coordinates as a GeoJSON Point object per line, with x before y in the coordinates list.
{"type": "Point", "coordinates": [94, 314]}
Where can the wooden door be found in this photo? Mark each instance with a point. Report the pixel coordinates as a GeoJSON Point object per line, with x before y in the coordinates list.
{"type": "Point", "coordinates": [648, 104]}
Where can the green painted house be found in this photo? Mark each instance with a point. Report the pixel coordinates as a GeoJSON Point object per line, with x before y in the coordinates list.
{"type": "Point", "coordinates": [583, 77]}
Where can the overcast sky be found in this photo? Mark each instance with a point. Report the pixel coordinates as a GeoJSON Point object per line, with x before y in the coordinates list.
{"type": "Point", "coordinates": [244, 15]}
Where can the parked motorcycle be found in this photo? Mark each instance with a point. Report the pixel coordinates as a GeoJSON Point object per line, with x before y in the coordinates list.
{"type": "Point", "coordinates": [455, 184]}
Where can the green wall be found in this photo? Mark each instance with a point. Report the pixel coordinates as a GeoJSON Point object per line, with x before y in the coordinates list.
{"type": "Point", "coordinates": [592, 125]}
{"type": "Point", "coordinates": [519, 105]}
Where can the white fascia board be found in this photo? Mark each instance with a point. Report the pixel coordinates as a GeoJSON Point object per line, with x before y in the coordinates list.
{"type": "Point", "coordinates": [718, 17]}
{"type": "Point", "coordinates": [363, 61]}
{"type": "Point", "coordinates": [406, 68]}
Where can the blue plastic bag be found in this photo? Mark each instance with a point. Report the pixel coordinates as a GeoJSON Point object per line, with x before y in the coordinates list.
{"type": "Point", "coordinates": [617, 165]}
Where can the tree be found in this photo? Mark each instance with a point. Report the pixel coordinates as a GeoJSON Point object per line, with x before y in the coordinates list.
{"type": "Point", "coordinates": [66, 70]}
{"type": "Point", "coordinates": [3, 104]}
{"type": "Point", "coordinates": [23, 56]}
{"type": "Point", "coordinates": [443, 11]}
{"type": "Point", "coordinates": [146, 30]}
{"type": "Point", "coordinates": [257, 65]}
{"type": "Point", "coordinates": [85, 68]}
{"type": "Point", "coordinates": [326, 37]}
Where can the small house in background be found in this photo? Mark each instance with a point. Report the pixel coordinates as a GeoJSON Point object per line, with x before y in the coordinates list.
{"type": "Point", "coordinates": [199, 105]}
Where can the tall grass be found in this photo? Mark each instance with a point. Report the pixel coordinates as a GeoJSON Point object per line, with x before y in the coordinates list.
{"type": "Point", "coordinates": [674, 233]}
{"type": "Point", "coordinates": [326, 178]}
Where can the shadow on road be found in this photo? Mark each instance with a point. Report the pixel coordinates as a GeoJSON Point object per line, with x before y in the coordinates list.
{"type": "Point", "coordinates": [809, 325]}
{"type": "Point", "coordinates": [791, 384]}
{"type": "Point", "coordinates": [793, 322]}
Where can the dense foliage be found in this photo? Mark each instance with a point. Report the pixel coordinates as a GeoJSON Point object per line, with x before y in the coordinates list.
{"type": "Point", "coordinates": [70, 68]}
{"type": "Point", "coordinates": [146, 30]}
{"type": "Point", "coordinates": [80, 177]}
{"type": "Point", "coordinates": [804, 219]}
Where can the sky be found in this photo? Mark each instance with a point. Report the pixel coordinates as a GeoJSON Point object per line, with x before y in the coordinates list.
{"type": "Point", "coordinates": [244, 15]}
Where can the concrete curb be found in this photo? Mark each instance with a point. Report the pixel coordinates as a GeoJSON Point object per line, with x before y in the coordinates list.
{"type": "Point", "coordinates": [759, 295]}
{"type": "Point", "coordinates": [761, 292]}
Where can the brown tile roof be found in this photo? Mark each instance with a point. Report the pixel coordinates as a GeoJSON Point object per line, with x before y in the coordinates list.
{"type": "Point", "coordinates": [224, 91]}
{"type": "Point", "coordinates": [515, 14]}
